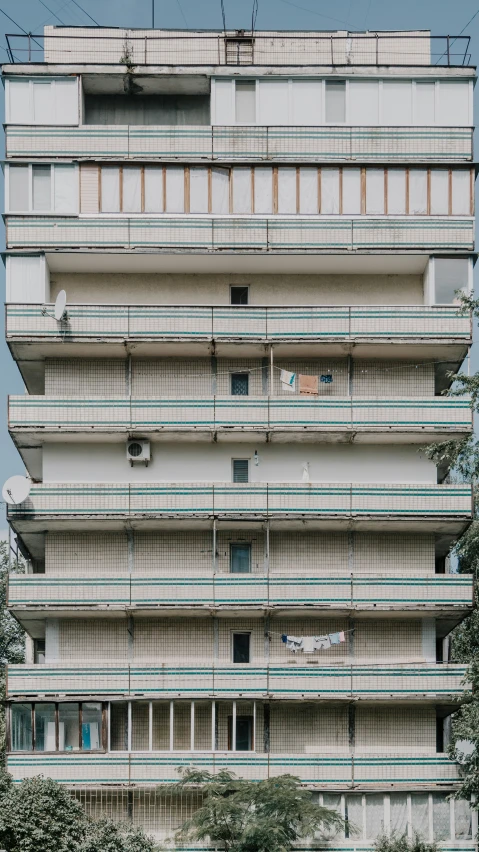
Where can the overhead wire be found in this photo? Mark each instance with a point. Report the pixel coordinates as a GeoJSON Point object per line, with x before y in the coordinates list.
{"type": "Point", "coordinates": [254, 15]}
{"type": "Point", "coordinates": [85, 12]}
{"type": "Point", "coordinates": [182, 13]}
{"type": "Point", "coordinates": [318, 14]}
{"type": "Point", "coordinates": [476, 13]}
{"type": "Point", "coordinates": [54, 14]}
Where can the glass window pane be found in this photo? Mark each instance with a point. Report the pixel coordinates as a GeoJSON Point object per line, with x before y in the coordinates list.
{"type": "Point", "coordinates": [119, 726]}
{"type": "Point", "coordinates": [131, 189]}
{"type": "Point", "coordinates": [333, 802]}
{"type": "Point", "coordinates": [220, 190]}
{"type": "Point", "coordinates": [354, 816]}
{"type": "Point", "coordinates": [140, 715]}
{"type": "Point", "coordinates": [286, 189]}
{"type": "Point", "coordinates": [198, 190]}
{"type": "Point", "coordinates": [18, 190]}
{"type": "Point", "coordinates": [69, 727]}
{"type": "Point", "coordinates": [239, 295]}
{"type": "Point", "coordinates": [420, 814]}
{"type": "Point", "coordinates": [241, 189]}
{"type": "Point", "coordinates": [439, 191]}
{"type": "Point", "coordinates": [153, 189]}
{"type": "Point", "coordinates": [463, 819]}
{"type": "Point", "coordinates": [241, 643]}
{"type": "Point", "coordinates": [336, 101]}
{"type": "Point", "coordinates": [263, 189]}
{"type": "Point", "coordinates": [240, 558]}
{"type": "Point", "coordinates": [425, 98]}
{"type": "Point", "coordinates": [45, 727]}
{"type": "Point", "coordinates": [42, 193]}
{"type": "Point", "coordinates": [175, 189]}
{"type": "Point", "coordinates": [239, 384]}
{"type": "Point", "coordinates": [246, 101]}
{"type": "Point", "coordinates": [398, 813]}
{"type": "Point", "coordinates": [21, 727]}
{"type": "Point", "coordinates": [110, 189]}
{"type": "Point", "coordinates": [418, 191]}
{"type": "Point", "coordinates": [449, 276]}
{"type": "Point", "coordinates": [240, 470]}
{"type": "Point", "coordinates": [374, 816]}
{"type": "Point", "coordinates": [244, 733]}
{"type": "Point", "coordinates": [441, 817]}
{"type": "Point", "coordinates": [374, 191]}
{"type": "Point", "coordinates": [91, 726]}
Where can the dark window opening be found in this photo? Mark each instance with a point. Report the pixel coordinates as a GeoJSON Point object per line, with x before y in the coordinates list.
{"type": "Point", "coordinates": [239, 384]}
{"type": "Point", "coordinates": [39, 651]}
{"type": "Point", "coordinates": [239, 295]}
{"type": "Point", "coordinates": [439, 651]}
{"type": "Point", "coordinates": [440, 735]}
{"type": "Point", "coordinates": [241, 647]}
{"type": "Point", "coordinates": [244, 733]}
{"type": "Point", "coordinates": [240, 470]}
{"type": "Point", "coordinates": [240, 558]}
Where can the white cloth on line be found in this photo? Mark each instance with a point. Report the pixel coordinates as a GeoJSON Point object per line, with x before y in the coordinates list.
{"type": "Point", "coordinates": [288, 380]}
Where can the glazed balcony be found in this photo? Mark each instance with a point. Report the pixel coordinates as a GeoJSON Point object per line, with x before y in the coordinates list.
{"type": "Point", "coordinates": [318, 234]}
{"type": "Point", "coordinates": [447, 594]}
{"type": "Point", "coordinates": [439, 683]}
{"type": "Point", "coordinates": [70, 506]}
{"type": "Point", "coordinates": [33, 419]}
{"type": "Point", "coordinates": [246, 144]}
{"type": "Point", "coordinates": [330, 771]}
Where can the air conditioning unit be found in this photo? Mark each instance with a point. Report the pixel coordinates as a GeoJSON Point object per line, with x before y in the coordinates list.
{"type": "Point", "coordinates": [138, 451]}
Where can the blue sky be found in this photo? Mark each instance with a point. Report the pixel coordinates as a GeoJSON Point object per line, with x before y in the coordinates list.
{"type": "Point", "coordinates": [441, 16]}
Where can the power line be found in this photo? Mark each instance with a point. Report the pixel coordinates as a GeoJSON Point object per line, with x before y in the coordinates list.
{"type": "Point", "coordinates": [319, 14]}
{"type": "Point", "coordinates": [476, 13]}
{"type": "Point", "coordinates": [182, 13]}
{"type": "Point", "coordinates": [86, 13]}
{"type": "Point", "coordinates": [51, 12]}
{"type": "Point", "coordinates": [20, 28]}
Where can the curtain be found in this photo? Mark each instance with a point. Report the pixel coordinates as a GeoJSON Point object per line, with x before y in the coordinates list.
{"type": "Point", "coordinates": [220, 190]}
{"type": "Point", "coordinates": [398, 813]}
{"type": "Point", "coordinates": [198, 190]}
{"type": "Point", "coordinates": [396, 191]}
{"type": "Point", "coordinates": [420, 813]}
{"type": "Point", "coordinates": [308, 190]}
{"type": "Point", "coordinates": [110, 189]}
{"type": "Point", "coordinates": [66, 189]}
{"type": "Point", "coordinates": [439, 191]}
{"type": "Point", "coordinates": [461, 192]}
{"type": "Point", "coordinates": [131, 189]}
{"type": "Point", "coordinates": [241, 189]}
{"type": "Point", "coordinates": [175, 189]}
{"type": "Point", "coordinates": [418, 191]}
{"type": "Point", "coordinates": [18, 189]}
{"type": "Point", "coordinates": [263, 189]}
{"type": "Point", "coordinates": [351, 190]}
{"type": "Point", "coordinates": [463, 820]}
{"type": "Point", "coordinates": [286, 190]}
{"type": "Point", "coordinates": [374, 815]}
{"type": "Point", "coordinates": [153, 189]}
{"type": "Point", "coordinates": [441, 817]}
{"type": "Point", "coordinates": [329, 190]}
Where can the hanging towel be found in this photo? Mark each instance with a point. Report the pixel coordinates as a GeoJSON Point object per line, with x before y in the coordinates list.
{"type": "Point", "coordinates": [309, 645]}
{"type": "Point", "coordinates": [336, 638]}
{"type": "Point", "coordinates": [288, 380]}
{"type": "Point", "coordinates": [308, 384]}
{"type": "Point", "coordinates": [293, 643]}
{"type": "Point", "coordinates": [327, 379]}
{"type": "Point", "coordinates": [321, 643]}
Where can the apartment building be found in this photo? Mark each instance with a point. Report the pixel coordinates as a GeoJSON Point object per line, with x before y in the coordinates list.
{"type": "Point", "coordinates": [237, 547]}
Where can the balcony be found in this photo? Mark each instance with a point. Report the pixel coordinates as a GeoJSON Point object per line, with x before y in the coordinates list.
{"type": "Point", "coordinates": [246, 144]}
{"type": "Point", "coordinates": [351, 419]}
{"type": "Point", "coordinates": [373, 331]}
{"type": "Point", "coordinates": [317, 234]}
{"type": "Point", "coordinates": [438, 594]}
{"type": "Point", "coordinates": [294, 681]}
{"type": "Point", "coordinates": [332, 771]}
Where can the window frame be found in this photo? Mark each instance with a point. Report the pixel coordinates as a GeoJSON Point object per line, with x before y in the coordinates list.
{"type": "Point", "coordinates": [30, 211]}
{"type": "Point", "coordinates": [242, 459]}
{"type": "Point", "coordinates": [30, 119]}
{"type": "Point", "coordinates": [244, 287]}
{"type": "Point", "coordinates": [244, 544]}
{"type": "Point", "coordinates": [33, 704]}
{"type": "Point", "coordinates": [237, 373]}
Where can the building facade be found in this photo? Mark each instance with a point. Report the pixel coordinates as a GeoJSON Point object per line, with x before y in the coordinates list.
{"type": "Point", "coordinates": [260, 239]}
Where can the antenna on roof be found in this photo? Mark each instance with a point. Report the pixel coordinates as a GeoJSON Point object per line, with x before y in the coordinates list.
{"type": "Point", "coordinates": [152, 14]}
{"type": "Point", "coordinates": [16, 490]}
{"type": "Point", "coordinates": [59, 310]}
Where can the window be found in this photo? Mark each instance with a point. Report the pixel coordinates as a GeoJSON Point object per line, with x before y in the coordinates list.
{"type": "Point", "coordinates": [245, 101]}
{"type": "Point", "coordinates": [449, 275]}
{"type": "Point", "coordinates": [441, 817]}
{"type": "Point", "coordinates": [91, 726]}
{"type": "Point", "coordinates": [239, 384]}
{"type": "Point", "coordinates": [21, 727]}
{"type": "Point", "coordinates": [45, 727]}
{"type": "Point", "coordinates": [335, 101]}
{"type": "Point", "coordinates": [420, 814]}
{"type": "Point", "coordinates": [69, 727]}
{"type": "Point", "coordinates": [39, 651]}
{"type": "Point", "coordinates": [240, 470]}
{"type": "Point", "coordinates": [44, 101]}
{"type": "Point", "coordinates": [241, 647]}
{"type": "Point", "coordinates": [398, 813]}
{"type": "Point", "coordinates": [43, 189]}
{"type": "Point", "coordinates": [354, 815]}
{"type": "Point", "coordinates": [244, 733]}
{"type": "Point", "coordinates": [240, 558]}
{"type": "Point", "coordinates": [239, 295]}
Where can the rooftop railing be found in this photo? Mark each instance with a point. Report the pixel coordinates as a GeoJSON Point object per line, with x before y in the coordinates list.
{"type": "Point", "coordinates": [134, 48]}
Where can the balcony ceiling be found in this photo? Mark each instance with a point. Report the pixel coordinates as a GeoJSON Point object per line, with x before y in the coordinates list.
{"type": "Point", "coordinates": [165, 84]}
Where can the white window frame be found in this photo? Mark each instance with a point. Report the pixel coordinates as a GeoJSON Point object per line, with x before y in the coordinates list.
{"type": "Point", "coordinates": [31, 211]}
{"type": "Point", "coordinates": [430, 280]}
{"type": "Point", "coordinates": [242, 633]}
{"type": "Point", "coordinates": [30, 118]}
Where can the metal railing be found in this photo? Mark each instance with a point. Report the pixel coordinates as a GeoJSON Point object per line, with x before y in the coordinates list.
{"type": "Point", "coordinates": [238, 48]}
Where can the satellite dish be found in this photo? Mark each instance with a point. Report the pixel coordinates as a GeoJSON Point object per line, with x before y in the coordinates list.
{"type": "Point", "coordinates": [60, 305]}
{"type": "Point", "coordinates": [16, 490]}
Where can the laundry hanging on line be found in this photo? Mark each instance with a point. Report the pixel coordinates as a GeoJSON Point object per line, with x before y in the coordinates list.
{"type": "Point", "coordinates": [308, 385]}
{"type": "Point", "coordinates": [310, 644]}
{"type": "Point", "coordinates": [288, 380]}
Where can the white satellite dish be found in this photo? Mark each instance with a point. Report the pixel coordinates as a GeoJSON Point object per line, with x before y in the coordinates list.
{"type": "Point", "coordinates": [60, 305]}
{"type": "Point", "coordinates": [16, 490]}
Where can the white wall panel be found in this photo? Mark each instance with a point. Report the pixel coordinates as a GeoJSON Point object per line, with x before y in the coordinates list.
{"type": "Point", "coordinates": [110, 189]}
{"type": "Point", "coordinates": [66, 189]}
{"type": "Point", "coordinates": [424, 108]}
{"type": "Point", "coordinates": [363, 102]}
{"type": "Point", "coordinates": [461, 192]}
{"type": "Point", "coordinates": [396, 103]}
{"type": "Point", "coordinates": [175, 189]}
{"type": "Point", "coordinates": [307, 102]}
{"type": "Point", "coordinates": [18, 102]}
{"type": "Point", "coordinates": [43, 102]}
{"type": "Point", "coordinates": [66, 102]}
{"type": "Point", "coordinates": [223, 101]}
{"type": "Point", "coordinates": [375, 191]}
{"type": "Point", "coordinates": [220, 190]}
{"type": "Point", "coordinates": [263, 189]}
{"type": "Point", "coordinates": [241, 190]}
{"type": "Point", "coordinates": [131, 189]}
{"type": "Point", "coordinates": [153, 189]}
{"type": "Point", "coordinates": [351, 190]}
{"type": "Point", "coordinates": [418, 191]}
{"type": "Point", "coordinates": [329, 190]}
{"type": "Point", "coordinates": [273, 102]}
{"type": "Point", "coordinates": [453, 107]}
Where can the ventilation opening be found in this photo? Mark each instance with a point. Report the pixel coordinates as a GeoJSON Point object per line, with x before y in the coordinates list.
{"type": "Point", "coordinates": [135, 449]}
{"type": "Point", "coordinates": [239, 51]}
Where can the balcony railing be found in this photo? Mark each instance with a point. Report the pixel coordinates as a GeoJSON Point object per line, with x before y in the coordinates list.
{"type": "Point", "coordinates": [327, 770]}
{"type": "Point", "coordinates": [246, 144]}
{"type": "Point", "coordinates": [276, 589]}
{"type": "Point", "coordinates": [237, 47]}
{"type": "Point", "coordinates": [315, 500]}
{"type": "Point", "coordinates": [332, 324]}
{"type": "Point", "coordinates": [378, 682]}
{"type": "Point", "coordinates": [41, 414]}
{"type": "Point", "coordinates": [276, 234]}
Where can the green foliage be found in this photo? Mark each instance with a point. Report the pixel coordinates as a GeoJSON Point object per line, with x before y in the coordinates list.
{"type": "Point", "coordinates": [401, 843]}
{"type": "Point", "coordinates": [237, 815]}
{"type": "Point", "coordinates": [12, 636]}
{"type": "Point", "coordinates": [40, 815]}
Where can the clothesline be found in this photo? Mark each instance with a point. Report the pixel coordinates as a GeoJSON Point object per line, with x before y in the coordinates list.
{"type": "Point", "coordinates": [278, 633]}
